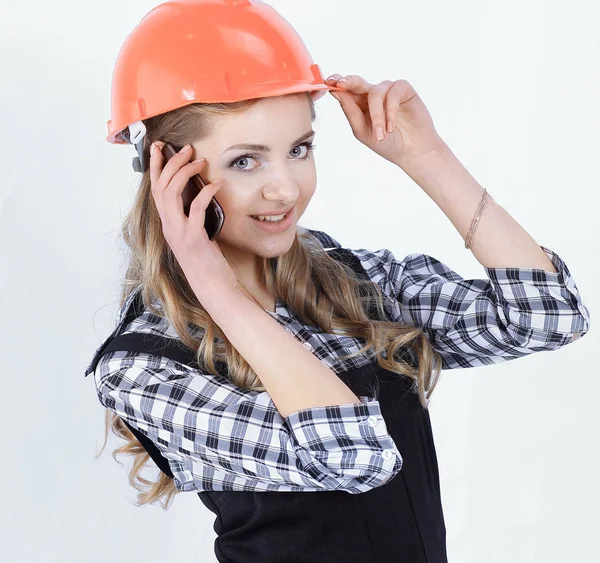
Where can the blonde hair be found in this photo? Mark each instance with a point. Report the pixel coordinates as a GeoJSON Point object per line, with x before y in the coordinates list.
{"type": "Point", "coordinates": [319, 289]}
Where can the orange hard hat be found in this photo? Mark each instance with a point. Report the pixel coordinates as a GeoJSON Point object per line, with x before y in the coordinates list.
{"type": "Point", "coordinates": [189, 51]}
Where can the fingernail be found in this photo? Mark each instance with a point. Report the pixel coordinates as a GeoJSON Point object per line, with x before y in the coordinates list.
{"type": "Point", "coordinates": [342, 80]}
{"type": "Point", "coordinates": [380, 135]}
{"type": "Point", "coordinates": [390, 126]}
{"type": "Point", "coordinates": [185, 148]}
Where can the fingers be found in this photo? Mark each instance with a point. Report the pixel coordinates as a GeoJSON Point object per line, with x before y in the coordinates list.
{"type": "Point", "coordinates": [353, 82]}
{"type": "Point", "coordinates": [382, 103]}
{"type": "Point", "coordinates": [156, 162]}
{"type": "Point", "coordinates": [400, 90]}
{"type": "Point", "coordinates": [168, 182]}
{"type": "Point", "coordinates": [162, 174]}
{"type": "Point", "coordinates": [377, 110]}
{"type": "Point", "coordinates": [355, 108]}
{"type": "Point", "coordinates": [353, 87]}
{"type": "Point", "coordinates": [334, 78]}
{"type": "Point", "coordinates": [200, 204]}
{"type": "Point", "coordinates": [350, 102]}
{"type": "Point", "coordinates": [171, 195]}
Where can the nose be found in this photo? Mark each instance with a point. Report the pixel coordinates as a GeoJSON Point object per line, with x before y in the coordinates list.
{"type": "Point", "coordinates": [281, 188]}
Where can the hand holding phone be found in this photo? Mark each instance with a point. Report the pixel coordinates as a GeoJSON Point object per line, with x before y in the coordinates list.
{"type": "Point", "coordinates": [200, 257]}
{"type": "Point", "coordinates": [214, 215]}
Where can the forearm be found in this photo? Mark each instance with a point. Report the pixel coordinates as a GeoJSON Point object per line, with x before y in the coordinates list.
{"type": "Point", "coordinates": [294, 378]}
{"type": "Point", "coordinates": [499, 241]}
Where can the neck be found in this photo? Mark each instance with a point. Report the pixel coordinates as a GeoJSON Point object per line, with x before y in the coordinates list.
{"type": "Point", "coordinates": [248, 270]}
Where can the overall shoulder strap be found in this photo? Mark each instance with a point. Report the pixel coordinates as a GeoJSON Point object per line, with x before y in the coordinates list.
{"type": "Point", "coordinates": [346, 256]}
{"type": "Point", "coordinates": [171, 348]}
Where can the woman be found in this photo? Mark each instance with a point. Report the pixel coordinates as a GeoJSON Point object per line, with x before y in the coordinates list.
{"type": "Point", "coordinates": [281, 376]}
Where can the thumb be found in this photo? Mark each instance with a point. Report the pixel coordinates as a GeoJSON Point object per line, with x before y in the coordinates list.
{"type": "Point", "coordinates": [353, 113]}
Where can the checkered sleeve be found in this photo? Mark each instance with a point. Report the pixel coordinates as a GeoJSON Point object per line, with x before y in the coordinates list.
{"type": "Point", "coordinates": [218, 436]}
{"type": "Point", "coordinates": [474, 322]}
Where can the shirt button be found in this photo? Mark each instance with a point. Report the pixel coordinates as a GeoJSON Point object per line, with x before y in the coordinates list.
{"type": "Point", "coordinates": [307, 345]}
{"type": "Point", "coordinates": [387, 454]}
{"type": "Point", "coordinates": [372, 421]}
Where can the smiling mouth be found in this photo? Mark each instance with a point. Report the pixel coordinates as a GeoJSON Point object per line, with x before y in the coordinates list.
{"type": "Point", "coordinates": [268, 214]}
{"type": "Point", "coordinates": [281, 216]}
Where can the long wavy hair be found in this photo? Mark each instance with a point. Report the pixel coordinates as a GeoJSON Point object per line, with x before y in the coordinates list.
{"type": "Point", "coordinates": [319, 289]}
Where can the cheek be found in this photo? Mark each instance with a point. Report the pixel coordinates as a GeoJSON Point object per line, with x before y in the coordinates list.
{"type": "Point", "coordinates": [233, 203]}
{"type": "Point", "coordinates": [308, 180]}
{"type": "Point", "coordinates": [308, 189]}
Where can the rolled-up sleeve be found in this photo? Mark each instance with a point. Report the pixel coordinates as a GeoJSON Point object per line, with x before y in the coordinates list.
{"type": "Point", "coordinates": [218, 436]}
{"type": "Point", "coordinates": [474, 322]}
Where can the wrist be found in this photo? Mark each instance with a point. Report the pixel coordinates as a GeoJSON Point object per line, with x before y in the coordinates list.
{"type": "Point", "coordinates": [219, 294]}
{"type": "Point", "coordinates": [214, 293]}
{"type": "Point", "coordinates": [425, 159]}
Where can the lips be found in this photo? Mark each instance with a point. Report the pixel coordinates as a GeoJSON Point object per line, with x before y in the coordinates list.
{"type": "Point", "coordinates": [272, 213]}
{"type": "Point", "coordinates": [274, 227]}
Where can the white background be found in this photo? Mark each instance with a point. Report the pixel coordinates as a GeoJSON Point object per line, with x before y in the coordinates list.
{"type": "Point", "coordinates": [513, 88]}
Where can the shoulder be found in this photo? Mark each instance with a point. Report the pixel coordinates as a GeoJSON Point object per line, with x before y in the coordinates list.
{"type": "Point", "coordinates": [137, 338]}
{"type": "Point", "coordinates": [383, 263]}
{"type": "Point", "coordinates": [380, 264]}
{"type": "Point", "coordinates": [134, 316]}
{"type": "Point", "coordinates": [395, 274]}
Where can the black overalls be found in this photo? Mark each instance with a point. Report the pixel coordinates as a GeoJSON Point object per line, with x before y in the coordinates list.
{"type": "Point", "coordinates": [399, 522]}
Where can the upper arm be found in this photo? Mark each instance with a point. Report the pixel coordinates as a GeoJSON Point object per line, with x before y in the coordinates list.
{"type": "Point", "coordinates": [218, 435]}
{"type": "Point", "coordinates": [473, 322]}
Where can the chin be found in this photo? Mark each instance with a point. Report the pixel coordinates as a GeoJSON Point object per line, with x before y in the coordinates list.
{"type": "Point", "coordinates": [270, 246]}
{"type": "Point", "coordinates": [277, 245]}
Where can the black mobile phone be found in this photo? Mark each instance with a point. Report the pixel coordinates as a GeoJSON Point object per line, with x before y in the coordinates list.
{"type": "Point", "coordinates": [215, 216]}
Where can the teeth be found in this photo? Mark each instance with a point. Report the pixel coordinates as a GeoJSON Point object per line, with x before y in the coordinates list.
{"type": "Point", "coordinates": [269, 217]}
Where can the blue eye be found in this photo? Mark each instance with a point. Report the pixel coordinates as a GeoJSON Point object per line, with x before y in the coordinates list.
{"type": "Point", "coordinates": [309, 149]}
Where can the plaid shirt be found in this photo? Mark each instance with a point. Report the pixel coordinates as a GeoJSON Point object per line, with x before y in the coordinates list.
{"type": "Point", "coordinates": [217, 436]}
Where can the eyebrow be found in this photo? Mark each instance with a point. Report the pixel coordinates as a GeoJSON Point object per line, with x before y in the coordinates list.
{"type": "Point", "coordinates": [265, 148]}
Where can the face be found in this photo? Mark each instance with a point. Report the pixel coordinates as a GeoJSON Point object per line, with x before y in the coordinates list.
{"type": "Point", "coordinates": [272, 179]}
